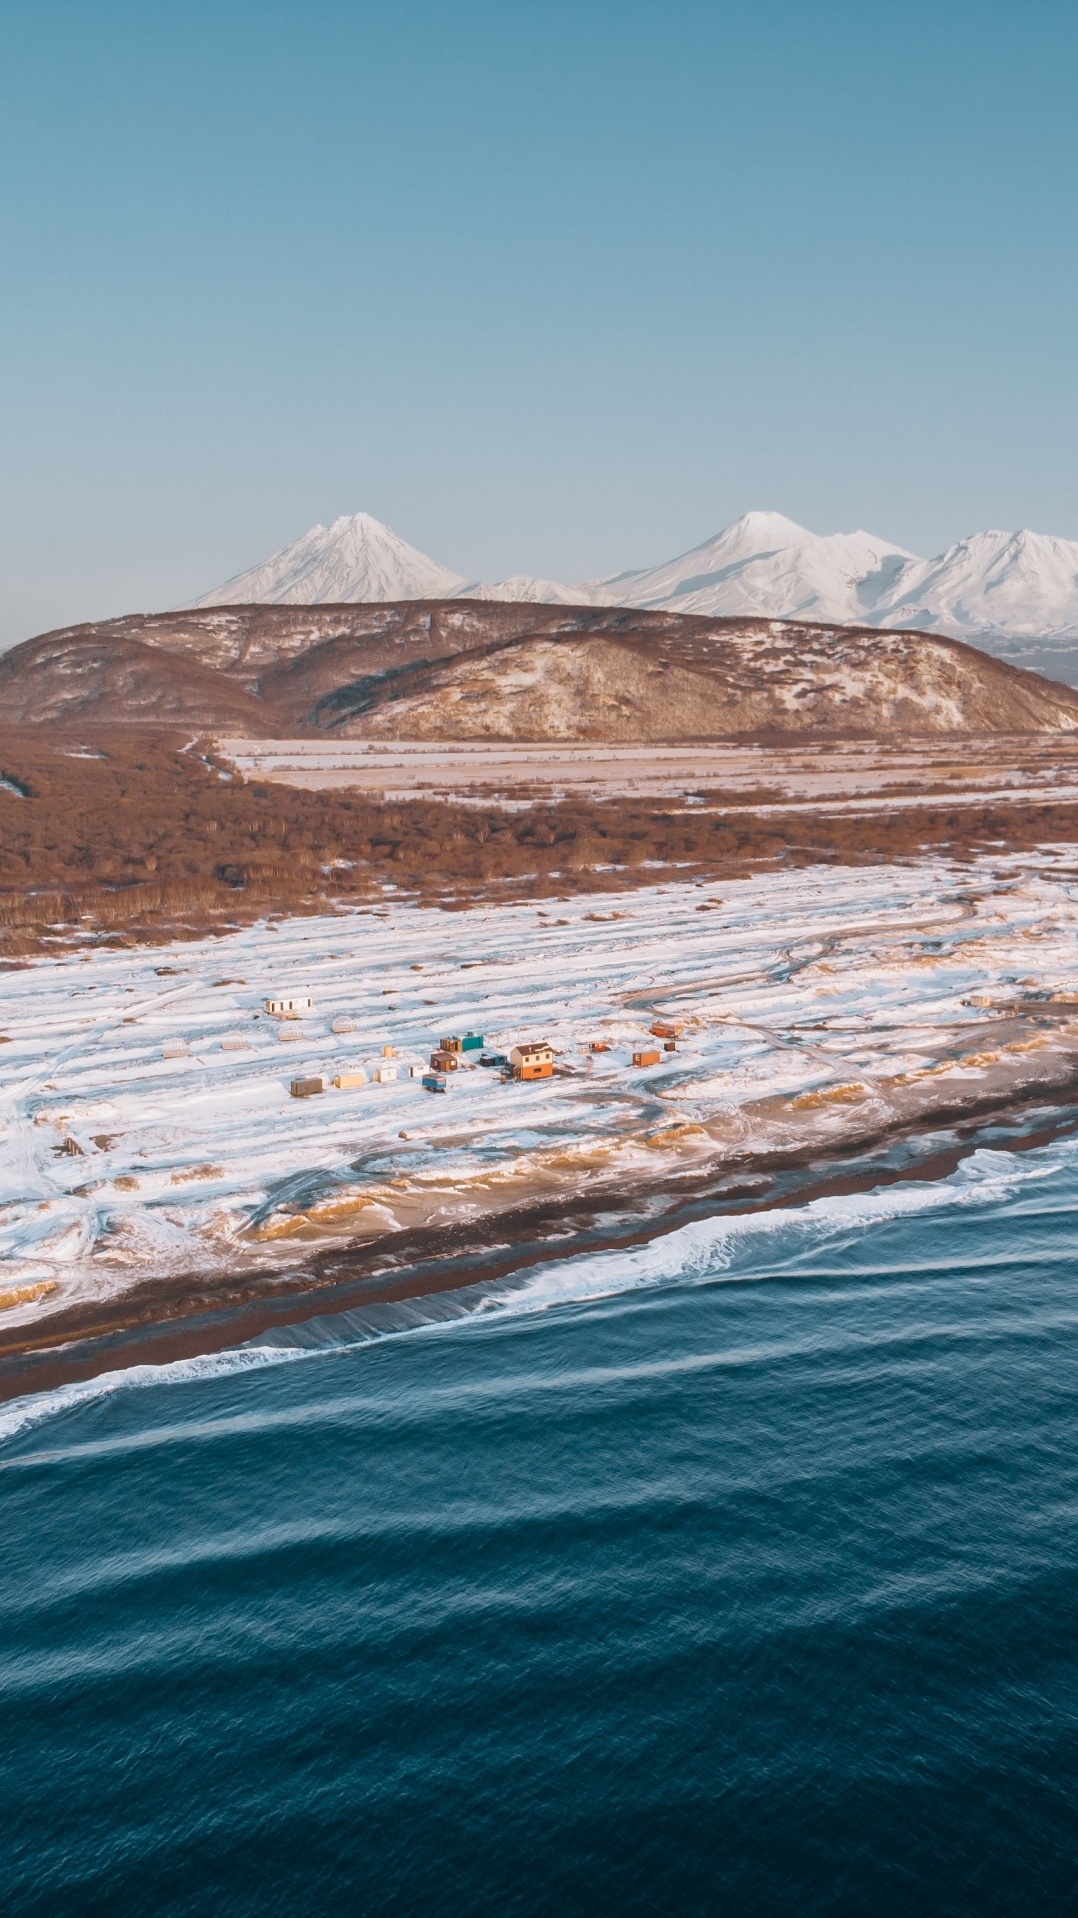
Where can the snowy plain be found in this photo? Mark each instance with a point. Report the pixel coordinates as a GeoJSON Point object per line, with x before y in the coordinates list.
{"type": "Point", "coordinates": [146, 1124]}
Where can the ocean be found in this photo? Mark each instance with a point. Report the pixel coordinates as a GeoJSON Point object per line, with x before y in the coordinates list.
{"type": "Point", "coordinates": [736, 1573]}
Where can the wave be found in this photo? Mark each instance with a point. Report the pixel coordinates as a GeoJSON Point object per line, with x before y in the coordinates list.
{"type": "Point", "coordinates": [706, 1251]}
{"type": "Point", "coordinates": [20, 1413]}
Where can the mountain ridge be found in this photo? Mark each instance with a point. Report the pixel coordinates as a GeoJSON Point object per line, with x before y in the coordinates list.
{"type": "Point", "coordinates": [1014, 593]}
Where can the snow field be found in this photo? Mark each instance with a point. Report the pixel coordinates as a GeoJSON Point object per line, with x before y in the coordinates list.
{"type": "Point", "coordinates": [806, 997]}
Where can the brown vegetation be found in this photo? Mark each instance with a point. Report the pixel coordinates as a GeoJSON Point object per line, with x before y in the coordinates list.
{"type": "Point", "coordinates": [139, 835]}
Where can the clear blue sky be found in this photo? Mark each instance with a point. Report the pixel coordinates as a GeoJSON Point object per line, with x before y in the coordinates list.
{"type": "Point", "coordinates": [551, 287]}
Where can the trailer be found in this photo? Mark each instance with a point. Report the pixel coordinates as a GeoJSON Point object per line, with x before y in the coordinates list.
{"type": "Point", "coordinates": [306, 1088]}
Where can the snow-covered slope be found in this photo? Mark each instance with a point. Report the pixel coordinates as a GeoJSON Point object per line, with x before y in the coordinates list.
{"type": "Point", "coordinates": [767, 565]}
{"type": "Point", "coordinates": [356, 559]}
{"type": "Point", "coordinates": [1013, 585]}
{"type": "Point", "coordinates": [360, 560]}
{"type": "Point", "coordinates": [538, 592]}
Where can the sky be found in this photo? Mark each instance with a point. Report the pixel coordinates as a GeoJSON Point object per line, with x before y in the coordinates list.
{"type": "Point", "coordinates": [551, 288]}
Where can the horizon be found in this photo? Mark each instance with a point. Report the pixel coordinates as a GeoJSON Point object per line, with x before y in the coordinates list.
{"type": "Point", "coordinates": [594, 581]}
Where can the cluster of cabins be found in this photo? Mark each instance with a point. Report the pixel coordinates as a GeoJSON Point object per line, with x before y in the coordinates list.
{"type": "Point", "coordinates": [529, 1059]}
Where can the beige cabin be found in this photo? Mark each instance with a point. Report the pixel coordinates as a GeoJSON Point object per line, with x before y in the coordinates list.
{"type": "Point", "coordinates": [532, 1059]}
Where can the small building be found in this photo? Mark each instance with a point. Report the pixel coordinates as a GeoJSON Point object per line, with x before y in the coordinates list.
{"type": "Point", "coordinates": [443, 1061]}
{"type": "Point", "coordinates": [343, 1024]}
{"type": "Point", "coordinates": [415, 1072]}
{"type": "Point", "coordinates": [532, 1059]}
{"type": "Point", "coordinates": [288, 1033]}
{"type": "Point", "coordinates": [434, 1082]}
{"type": "Point", "coordinates": [384, 1075]}
{"type": "Point", "coordinates": [292, 1008]}
{"type": "Point", "coordinates": [599, 1045]}
{"type": "Point", "coordinates": [472, 1042]}
{"type": "Point", "coordinates": [344, 1081]}
{"type": "Point", "coordinates": [306, 1088]}
{"type": "Point", "coordinates": [666, 1028]}
{"type": "Point", "coordinates": [493, 1059]}
{"type": "Point", "coordinates": [647, 1056]}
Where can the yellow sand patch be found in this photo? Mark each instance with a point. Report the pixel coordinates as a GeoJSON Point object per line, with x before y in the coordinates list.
{"type": "Point", "coordinates": [582, 1158]}
{"type": "Point", "coordinates": [196, 1172]}
{"type": "Point", "coordinates": [673, 1135]}
{"type": "Point", "coordinates": [328, 1212]}
{"type": "Point", "coordinates": [846, 1095]}
{"type": "Point", "coordinates": [26, 1294]}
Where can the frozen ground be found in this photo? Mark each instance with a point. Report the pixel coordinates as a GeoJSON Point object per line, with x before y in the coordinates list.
{"type": "Point", "coordinates": [829, 776]}
{"type": "Point", "coordinates": [817, 1006]}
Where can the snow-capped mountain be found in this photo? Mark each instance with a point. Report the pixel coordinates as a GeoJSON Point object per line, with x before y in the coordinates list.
{"type": "Point", "coordinates": [1014, 593]}
{"type": "Point", "coordinates": [1013, 585]}
{"type": "Point", "coordinates": [360, 560]}
{"type": "Point", "coordinates": [768, 565]}
{"type": "Point", "coordinates": [355, 560]}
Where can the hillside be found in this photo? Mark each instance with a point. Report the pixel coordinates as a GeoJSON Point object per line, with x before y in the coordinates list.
{"type": "Point", "coordinates": [707, 681]}
{"type": "Point", "coordinates": [92, 677]}
{"type": "Point", "coordinates": [475, 669]}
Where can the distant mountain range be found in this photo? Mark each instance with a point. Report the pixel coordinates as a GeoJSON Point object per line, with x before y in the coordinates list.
{"type": "Point", "coordinates": [1015, 594]}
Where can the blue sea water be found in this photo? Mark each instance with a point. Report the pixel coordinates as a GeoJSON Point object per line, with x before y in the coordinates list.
{"type": "Point", "coordinates": [735, 1574]}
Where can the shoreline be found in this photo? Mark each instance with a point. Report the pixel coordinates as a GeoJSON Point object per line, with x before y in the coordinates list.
{"type": "Point", "coordinates": [161, 1321]}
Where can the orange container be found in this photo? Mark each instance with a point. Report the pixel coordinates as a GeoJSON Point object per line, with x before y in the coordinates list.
{"type": "Point", "coordinates": [649, 1058]}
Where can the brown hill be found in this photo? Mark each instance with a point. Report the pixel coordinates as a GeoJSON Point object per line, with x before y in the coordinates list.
{"type": "Point", "coordinates": [247, 641]}
{"type": "Point", "coordinates": [482, 669]}
{"type": "Point", "coordinates": [87, 679]}
{"type": "Point", "coordinates": [776, 679]}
